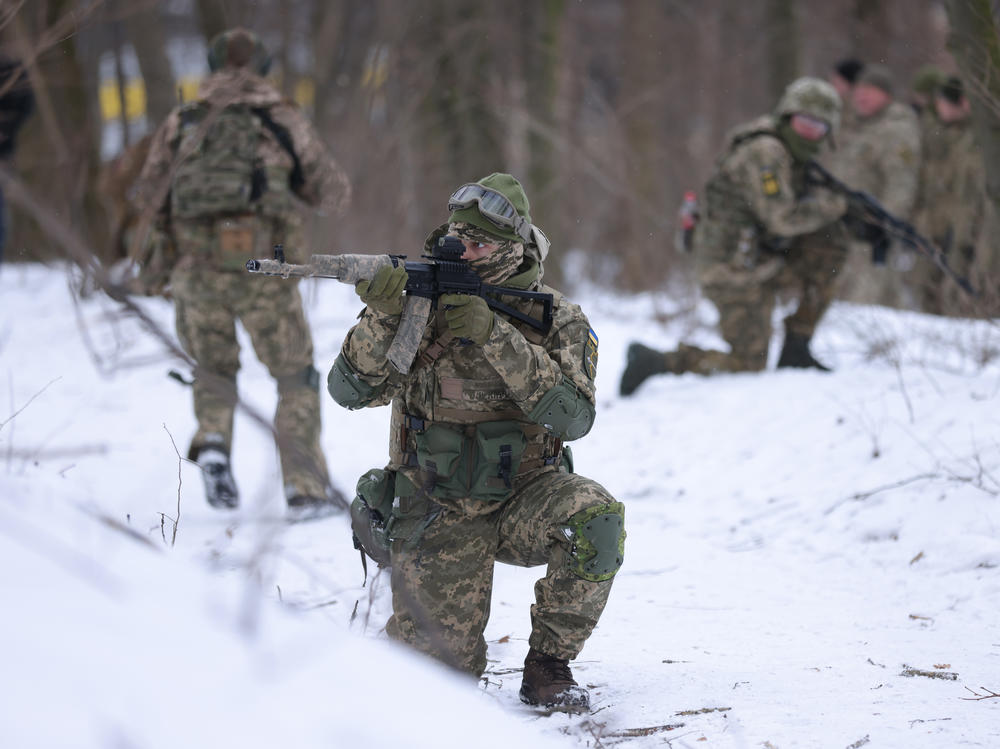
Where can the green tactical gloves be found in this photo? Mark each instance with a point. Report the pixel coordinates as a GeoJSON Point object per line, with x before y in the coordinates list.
{"type": "Point", "coordinates": [384, 293]}
{"type": "Point", "coordinates": [468, 316]}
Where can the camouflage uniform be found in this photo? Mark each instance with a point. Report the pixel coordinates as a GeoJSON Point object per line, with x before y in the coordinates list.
{"type": "Point", "coordinates": [763, 231]}
{"type": "Point", "coordinates": [445, 544]}
{"type": "Point", "coordinates": [950, 212]}
{"type": "Point", "coordinates": [882, 158]}
{"type": "Point", "coordinates": [212, 290]}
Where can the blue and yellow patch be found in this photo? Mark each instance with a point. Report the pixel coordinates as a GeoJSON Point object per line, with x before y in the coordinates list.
{"type": "Point", "coordinates": [769, 182]}
{"type": "Point", "coordinates": [590, 354]}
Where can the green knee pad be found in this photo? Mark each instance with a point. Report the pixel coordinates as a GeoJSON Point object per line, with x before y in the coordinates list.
{"type": "Point", "coordinates": [598, 541]}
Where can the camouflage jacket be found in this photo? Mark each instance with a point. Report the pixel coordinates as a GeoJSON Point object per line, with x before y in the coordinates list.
{"type": "Point", "coordinates": [757, 203]}
{"type": "Point", "coordinates": [952, 186]}
{"type": "Point", "coordinates": [504, 380]}
{"type": "Point", "coordinates": [882, 158]}
{"type": "Point", "coordinates": [324, 185]}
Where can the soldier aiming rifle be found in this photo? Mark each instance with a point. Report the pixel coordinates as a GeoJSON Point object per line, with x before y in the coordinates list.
{"type": "Point", "coordinates": [444, 272]}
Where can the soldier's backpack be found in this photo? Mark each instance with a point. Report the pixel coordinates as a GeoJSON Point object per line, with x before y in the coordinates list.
{"type": "Point", "coordinates": [220, 171]}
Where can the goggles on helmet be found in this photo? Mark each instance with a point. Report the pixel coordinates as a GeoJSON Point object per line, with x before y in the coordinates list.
{"type": "Point", "coordinates": [493, 206]}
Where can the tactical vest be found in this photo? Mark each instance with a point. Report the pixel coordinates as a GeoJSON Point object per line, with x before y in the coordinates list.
{"type": "Point", "coordinates": [465, 452]}
{"type": "Point", "coordinates": [729, 230]}
{"type": "Point", "coordinates": [220, 171]}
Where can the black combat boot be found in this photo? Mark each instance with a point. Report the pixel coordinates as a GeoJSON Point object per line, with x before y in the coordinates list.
{"type": "Point", "coordinates": [220, 488]}
{"type": "Point", "coordinates": [641, 362]}
{"type": "Point", "coordinates": [795, 353]}
{"type": "Point", "coordinates": [548, 682]}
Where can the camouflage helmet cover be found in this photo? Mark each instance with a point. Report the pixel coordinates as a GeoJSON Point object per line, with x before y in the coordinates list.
{"type": "Point", "coordinates": [811, 96]}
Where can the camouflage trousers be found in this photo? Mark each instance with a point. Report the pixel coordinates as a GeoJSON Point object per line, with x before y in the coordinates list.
{"type": "Point", "coordinates": [442, 585]}
{"type": "Point", "coordinates": [810, 273]}
{"type": "Point", "coordinates": [208, 303]}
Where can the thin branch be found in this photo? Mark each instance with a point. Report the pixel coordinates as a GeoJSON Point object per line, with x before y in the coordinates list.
{"type": "Point", "coordinates": [989, 695]}
{"type": "Point", "coordinates": [173, 538]}
{"type": "Point", "coordinates": [861, 496]}
{"type": "Point", "coordinates": [14, 415]}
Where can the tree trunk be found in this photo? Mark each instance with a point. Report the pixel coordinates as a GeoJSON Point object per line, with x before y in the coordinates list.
{"type": "Point", "coordinates": [783, 48]}
{"type": "Point", "coordinates": [60, 159]}
{"type": "Point", "coordinates": [212, 16]}
{"type": "Point", "coordinates": [144, 28]}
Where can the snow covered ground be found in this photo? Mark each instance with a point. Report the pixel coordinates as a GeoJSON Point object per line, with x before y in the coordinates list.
{"type": "Point", "coordinates": [798, 543]}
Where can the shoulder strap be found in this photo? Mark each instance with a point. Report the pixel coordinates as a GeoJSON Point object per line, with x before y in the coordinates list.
{"type": "Point", "coordinates": [744, 137]}
{"type": "Point", "coordinates": [296, 179]}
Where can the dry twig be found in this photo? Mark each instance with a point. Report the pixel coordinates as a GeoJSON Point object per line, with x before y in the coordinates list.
{"type": "Point", "coordinates": [32, 398]}
{"type": "Point", "coordinates": [989, 695]}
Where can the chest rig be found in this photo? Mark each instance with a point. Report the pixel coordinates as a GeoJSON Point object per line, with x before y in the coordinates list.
{"type": "Point", "coordinates": [465, 452]}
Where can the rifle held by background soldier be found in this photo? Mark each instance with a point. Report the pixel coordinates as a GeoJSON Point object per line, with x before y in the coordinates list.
{"type": "Point", "coordinates": [877, 223]}
{"type": "Point", "coordinates": [444, 272]}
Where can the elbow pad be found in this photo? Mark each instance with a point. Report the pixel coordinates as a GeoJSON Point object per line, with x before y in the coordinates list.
{"type": "Point", "coordinates": [349, 390]}
{"type": "Point", "coordinates": [564, 411]}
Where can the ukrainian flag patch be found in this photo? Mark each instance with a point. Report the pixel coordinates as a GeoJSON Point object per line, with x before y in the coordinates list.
{"type": "Point", "coordinates": [590, 354]}
{"type": "Point", "coordinates": [769, 181]}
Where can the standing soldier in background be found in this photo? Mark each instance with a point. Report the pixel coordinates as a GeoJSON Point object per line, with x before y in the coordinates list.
{"type": "Point", "coordinates": [764, 230]}
{"type": "Point", "coordinates": [223, 177]}
{"type": "Point", "coordinates": [952, 197]}
{"type": "Point", "coordinates": [16, 103]}
{"type": "Point", "coordinates": [881, 158]}
{"type": "Point", "coordinates": [478, 466]}
{"type": "Point", "coordinates": [923, 88]}
{"type": "Point", "coordinates": [842, 77]}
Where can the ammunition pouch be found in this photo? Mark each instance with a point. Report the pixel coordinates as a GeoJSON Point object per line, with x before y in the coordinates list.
{"type": "Point", "coordinates": [347, 389]}
{"type": "Point", "coordinates": [371, 514]}
{"type": "Point", "coordinates": [479, 460]}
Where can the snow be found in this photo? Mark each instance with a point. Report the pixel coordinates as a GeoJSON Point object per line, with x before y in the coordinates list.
{"type": "Point", "coordinates": [796, 540]}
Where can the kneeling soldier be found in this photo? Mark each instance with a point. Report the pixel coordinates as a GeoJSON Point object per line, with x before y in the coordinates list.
{"type": "Point", "coordinates": [478, 468]}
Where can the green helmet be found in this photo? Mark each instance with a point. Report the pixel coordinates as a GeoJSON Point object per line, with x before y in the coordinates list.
{"type": "Point", "coordinates": [507, 186]}
{"type": "Point", "coordinates": [928, 79]}
{"type": "Point", "coordinates": [811, 96]}
{"type": "Point", "coordinates": [238, 48]}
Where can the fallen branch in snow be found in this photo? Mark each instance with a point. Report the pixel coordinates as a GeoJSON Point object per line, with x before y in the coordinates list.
{"type": "Point", "coordinates": [704, 710]}
{"type": "Point", "coordinates": [121, 527]}
{"type": "Point", "coordinates": [946, 675]}
{"type": "Point", "coordinates": [632, 733]}
{"type": "Point", "coordinates": [859, 743]}
{"type": "Point", "coordinates": [861, 496]}
{"type": "Point", "coordinates": [932, 720]}
{"type": "Point", "coordinates": [990, 694]}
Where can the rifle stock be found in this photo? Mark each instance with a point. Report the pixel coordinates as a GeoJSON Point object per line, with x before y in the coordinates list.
{"type": "Point", "coordinates": [873, 212]}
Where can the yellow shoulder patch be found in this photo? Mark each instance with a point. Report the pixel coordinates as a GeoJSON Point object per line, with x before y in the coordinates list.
{"type": "Point", "coordinates": [769, 181]}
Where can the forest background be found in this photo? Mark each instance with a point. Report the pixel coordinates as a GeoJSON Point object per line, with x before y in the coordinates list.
{"type": "Point", "coordinates": [607, 110]}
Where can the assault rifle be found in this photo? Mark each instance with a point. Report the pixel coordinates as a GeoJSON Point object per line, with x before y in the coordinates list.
{"type": "Point", "coordinates": [444, 272]}
{"type": "Point", "coordinates": [871, 212]}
